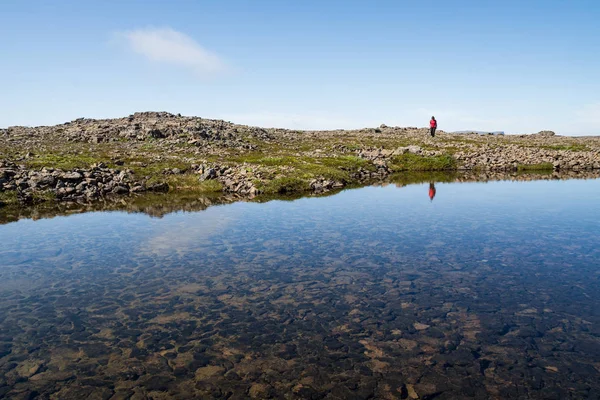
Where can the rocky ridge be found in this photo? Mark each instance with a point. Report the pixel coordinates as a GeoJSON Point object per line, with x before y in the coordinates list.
{"type": "Point", "coordinates": [234, 155]}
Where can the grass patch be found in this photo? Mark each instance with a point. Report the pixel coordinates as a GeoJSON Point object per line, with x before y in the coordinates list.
{"type": "Point", "coordinates": [64, 161]}
{"type": "Point", "coordinates": [345, 162]}
{"type": "Point", "coordinates": [274, 161]}
{"type": "Point", "coordinates": [413, 162]}
{"type": "Point", "coordinates": [535, 167]}
{"type": "Point", "coordinates": [284, 185]}
{"type": "Point", "coordinates": [567, 147]}
{"type": "Point", "coordinates": [46, 195]}
{"type": "Point", "coordinates": [211, 186]}
{"type": "Point", "coordinates": [306, 168]}
{"type": "Point", "coordinates": [188, 183]}
{"type": "Point", "coordinates": [156, 168]}
{"type": "Point", "coordinates": [8, 197]}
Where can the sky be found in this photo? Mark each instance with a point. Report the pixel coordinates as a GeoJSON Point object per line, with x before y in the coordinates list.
{"type": "Point", "coordinates": [513, 66]}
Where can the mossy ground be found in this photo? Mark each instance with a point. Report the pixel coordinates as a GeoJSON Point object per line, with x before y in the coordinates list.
{"type": "Point", "coordinates": [535, 167]}
{"type": "Point", "coordinates": [8, 198]}
{"type": "Point", "coordinates": [414, 162]}
{"type": "Point", "coordinates": [286, 166]}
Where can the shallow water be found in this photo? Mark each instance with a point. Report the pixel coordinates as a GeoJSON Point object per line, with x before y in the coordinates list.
{"type": "Point", "coordinates": [490, 290]}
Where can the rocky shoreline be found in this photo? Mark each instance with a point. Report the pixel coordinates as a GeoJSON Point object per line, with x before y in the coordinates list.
{"type": "Point", "coordinates": [79, 184]}
{"type": "Point", "coordinates": [86, 159]}
{"type": "Point", "coordinates": [159, 204]}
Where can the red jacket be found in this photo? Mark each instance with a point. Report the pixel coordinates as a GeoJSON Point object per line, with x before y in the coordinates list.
{"type": "Point", "coordinates": [433, 123]}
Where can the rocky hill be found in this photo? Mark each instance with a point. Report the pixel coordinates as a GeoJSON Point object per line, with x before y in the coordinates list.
{"type": "Point", "coordinates": [87, 159]}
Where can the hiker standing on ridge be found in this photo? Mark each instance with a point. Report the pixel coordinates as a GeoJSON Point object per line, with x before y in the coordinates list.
{"type": "Point", "coordinates": [432, 126]}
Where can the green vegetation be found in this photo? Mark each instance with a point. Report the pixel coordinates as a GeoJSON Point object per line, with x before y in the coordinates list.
{"type": "Point", "coordinates": [155, 168]}
{"type": "Point", "coordinates": [188, 183]}
{"type": "Point", "coordinates": [8, 198]}
{"type": "Point", "coordinates": [285, 185]}
{"type": "Point", "coordinates": [413, 162]}
{"type": "Point", "coordinates": [65, 161]}
{"type": "Point", "coordinates": [43, 196]}
{"type": "Point", "coordinates": [283, 166]}
{"type": "Point", "coordinates": [567, 147]}
{"type": "Point", "coordinates": [305, 168]}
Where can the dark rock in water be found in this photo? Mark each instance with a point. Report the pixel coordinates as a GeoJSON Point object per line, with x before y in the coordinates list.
{"type": "Point", "coordinates": [232, 375]}
{"type": "Point", "coordinates": [122, 394]}
{"type": "Point", "coordinates": [209, 390]}
{"type": "Point", "coordinates": [84, 392]}
{"type": "Point", "coordinates": [4, 391]}
{"type": "Point", "coordinates": [159, 383]}
{"type": "Point", "coordinates": [140, 354]}
{"type": "Point", "coordinates": [201, 360]}
{"type": "Point", "coordinates": [181, 371]}
{"type": "Point", "coordinates": [307, 392]}
{"type": "Point", "coordinates": [184, 349]}
{"type": "Point", "coordinates": [24, 395]}
{"type": "Point", "coordinates": [95, 350]}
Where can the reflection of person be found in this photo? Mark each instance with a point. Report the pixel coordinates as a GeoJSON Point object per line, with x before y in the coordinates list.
{"type": "Point", "coordinates": [431, 191]}
{"type": "Point", "coordinates": [432, 126]}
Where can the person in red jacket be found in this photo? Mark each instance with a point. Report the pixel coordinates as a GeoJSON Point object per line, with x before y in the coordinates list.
{"type": "Point", "coordinates": [432, 126]}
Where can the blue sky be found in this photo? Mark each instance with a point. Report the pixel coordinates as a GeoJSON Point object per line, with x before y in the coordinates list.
{"type": "Point", "coordinates": [518, 66]}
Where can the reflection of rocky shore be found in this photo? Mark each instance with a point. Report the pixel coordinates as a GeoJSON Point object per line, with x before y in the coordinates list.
{"type": "Point", "coordinates": [501, 176]}
{"type": "Point", "coordinates": [152, 205]}
{"type": "Point", "coordinates": [485, 176]}
{"type": "Point", "coordinates": [158, 205]}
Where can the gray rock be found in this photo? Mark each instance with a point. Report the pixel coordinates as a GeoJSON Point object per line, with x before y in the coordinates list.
{"type": "Point", "coordinates": [72, 176]}
{"type": "Point", "coordinates": [137, 189]}
{"type": "Point", "coordinates": [159, 187]}
{"type": "Point", "coordinates": [211, 173]}
{"type": "Point", "coordinates": [415, 149]}
{"type": "Point", "coordinates": [120, 190]}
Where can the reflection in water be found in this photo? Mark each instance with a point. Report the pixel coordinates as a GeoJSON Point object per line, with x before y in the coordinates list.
{"type": "Point", "coordinates": [182, 238]}
{"type": "Point", "coordinates": [159, 205]}
{"type": "Point", "coordinates": [493, 293]}
{"type": "Point", "coordinates": [431, 191]}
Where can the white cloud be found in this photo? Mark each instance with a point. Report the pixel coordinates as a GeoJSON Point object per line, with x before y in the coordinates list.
{"type": "Point", "coordinates": [182, 236]}
{"type": "Point", "coordinates": [169, 46]}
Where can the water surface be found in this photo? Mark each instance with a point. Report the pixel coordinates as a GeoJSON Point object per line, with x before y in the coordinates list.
{"type": "Point", "coordinates": [490, 290]}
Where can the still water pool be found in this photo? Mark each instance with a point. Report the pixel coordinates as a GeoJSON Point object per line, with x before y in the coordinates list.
{"type": "Point", "coordinates": [488, 291]}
